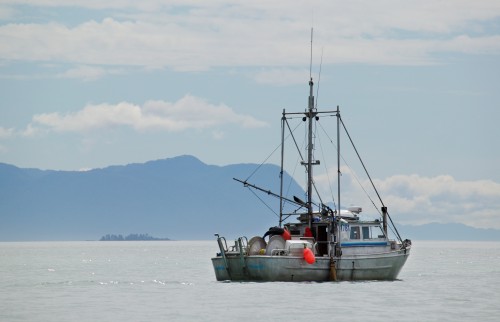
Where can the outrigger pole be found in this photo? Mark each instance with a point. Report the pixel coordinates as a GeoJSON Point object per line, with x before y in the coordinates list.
{"type": "Point", "coordinates": [298, 202]}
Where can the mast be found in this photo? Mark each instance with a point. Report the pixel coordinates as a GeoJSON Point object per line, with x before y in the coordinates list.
{"type": "Point", "coordinates": [338, 160]}
{"type": "Point", "coordinates": [283, 118]}
{"type": "Point", "coordinates": [338, 250]}
{"type": "Point", "coordinates": [311, 114]}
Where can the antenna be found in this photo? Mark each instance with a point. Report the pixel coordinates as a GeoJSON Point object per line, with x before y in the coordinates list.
{"type": "Point", "coordinates": [319, 78]}
{"type": "Point", "coordinates": [311, 62]}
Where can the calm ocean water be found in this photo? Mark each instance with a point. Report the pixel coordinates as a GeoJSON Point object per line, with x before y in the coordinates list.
{"type": "Point", "coordinates": [174, 281]}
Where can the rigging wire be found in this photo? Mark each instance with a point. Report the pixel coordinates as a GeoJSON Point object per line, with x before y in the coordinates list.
{"type": "Point", "coordinates": [366, 171]}
{"type": "Point", "coordinates": [269, 156]}
{"type": "Point", "coordinates": [362, 163]}
{"type": "Point", "coordinates": [296, 146]}
{"type": "Point", "coordinates": [314, 144]}
{"type": "Point", "coordinates": [302, 159]}
{"type": "Point", "coordinates": [319, 80]}
{"type": "Point", "coordinates": [265, 204]}
{"type": "Point", "coordinates": [300, 153]}
{"type": "Point", "coordinates": [263, 162]}
{"type": "Point", "coordinates": [352, 171]}
{"type": "Point", "coordinates": [293, 137]}
{"type": "Point", "coordinates": [326, 168]}
{"type": "Point", "coordinates": [293, 174]}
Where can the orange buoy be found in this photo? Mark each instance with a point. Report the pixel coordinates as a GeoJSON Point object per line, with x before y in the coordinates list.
{"type": "Point", "coordinates": [308, 232]}
{"type": "Point", "coordinates": [309, 256]}
{"type": "Point", "coordinates": [286, 235]}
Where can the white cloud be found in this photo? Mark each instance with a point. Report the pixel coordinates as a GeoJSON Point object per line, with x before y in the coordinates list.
{"type": "Point", "coordinates": [6, 13]}
{"type": "Point", "coordinates": [188, 112]}
{"type": "Point", "coordinates": [473, 45]}
{"type": "Point", "coordinates": [414, 199]}
{"type": "Point", "coordinates": [443, 199]}
{"type": "Point", "coordinates": [6, 133]}
{"type": "Point", "coordinates": [87, 73]}
{"type": "Point", "coordinates": [197, 35]}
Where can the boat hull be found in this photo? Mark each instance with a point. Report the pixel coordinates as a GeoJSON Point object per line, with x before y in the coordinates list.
{"type": "Point", "coordinates": [383, 266]}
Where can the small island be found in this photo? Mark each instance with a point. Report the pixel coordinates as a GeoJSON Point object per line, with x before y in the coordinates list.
{"type": "Point", "coordinates": [130, 237]}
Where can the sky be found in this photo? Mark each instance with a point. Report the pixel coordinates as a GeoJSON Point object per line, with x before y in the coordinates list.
{"type": "Point", "coordinates": [89, 84]}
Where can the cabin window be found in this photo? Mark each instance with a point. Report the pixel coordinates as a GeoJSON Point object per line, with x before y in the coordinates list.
{"type": "Point", "coordinates": [355, 233]}
{"type": "Point", "coordinates": [372, 232]}
{"type": "Point", "coordinates": [377, 232]}
{"type": "Point", "coordinates": [366, 232]}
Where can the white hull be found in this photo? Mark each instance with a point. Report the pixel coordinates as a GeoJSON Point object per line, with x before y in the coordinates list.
{"type": "Point", "coordinates": [382, 266]}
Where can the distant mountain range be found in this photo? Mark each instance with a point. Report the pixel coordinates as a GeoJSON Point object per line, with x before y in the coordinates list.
{"type": "Point", "coordinates": [180, 198]}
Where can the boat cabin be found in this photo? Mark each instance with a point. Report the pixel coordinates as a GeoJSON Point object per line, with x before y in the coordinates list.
{"type": "Point", "coordinates": [362, 233]}
{"type": "Point", "coordinates": [353, 232]}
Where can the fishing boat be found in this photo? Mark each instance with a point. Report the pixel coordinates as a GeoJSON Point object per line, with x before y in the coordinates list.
{"type": "Point", "coordinates": [324, 243]}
